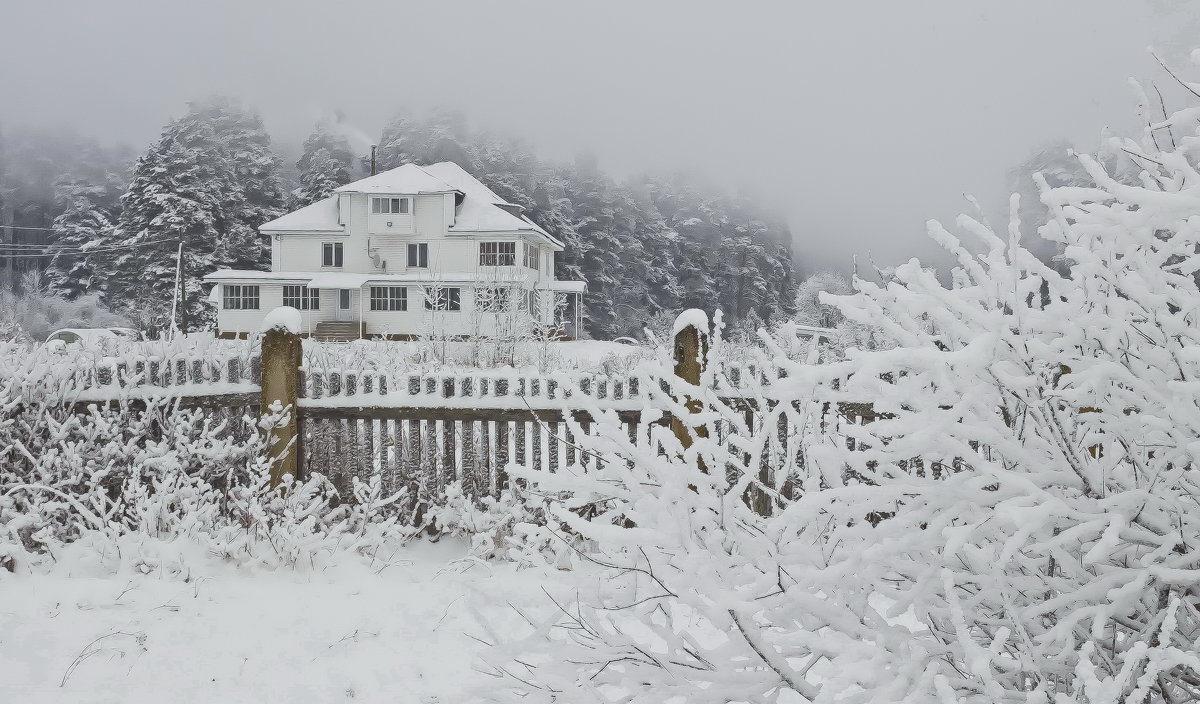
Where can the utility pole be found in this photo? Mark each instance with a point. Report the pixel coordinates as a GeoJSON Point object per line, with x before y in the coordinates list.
{"type": "Point", "coordinates": [183, 301]}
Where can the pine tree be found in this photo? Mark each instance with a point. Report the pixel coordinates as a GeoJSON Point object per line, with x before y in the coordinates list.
{"type": "Point", "coordinates": [209, 182]}
{"type": "Point", "coordinates": [642, 248]}
{"type": "Point", "coordinates": [326, 164]}
{"type": "Point", "coordinates": [88, 221]}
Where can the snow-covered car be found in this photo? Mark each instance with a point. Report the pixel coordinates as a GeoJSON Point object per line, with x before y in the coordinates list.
{"type": "Point", "coordinates": [60, 340]}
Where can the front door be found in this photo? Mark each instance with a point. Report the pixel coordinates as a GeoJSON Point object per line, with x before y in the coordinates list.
{"type": "Point", "coordinates": [343, 304]}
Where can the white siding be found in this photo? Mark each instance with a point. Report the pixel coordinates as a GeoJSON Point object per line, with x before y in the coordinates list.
{"type": "Point", "coordinates": [414, 321]}
{"type": "Point", "coordinates": [448, 254]}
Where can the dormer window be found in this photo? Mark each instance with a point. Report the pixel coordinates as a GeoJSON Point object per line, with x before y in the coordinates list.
{"type": "Point", "coordinates": [389, 206]}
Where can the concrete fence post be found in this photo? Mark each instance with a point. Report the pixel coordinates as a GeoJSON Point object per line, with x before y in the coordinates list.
{"type": "Point", "coordinates": [281, 359]}
{"type": "Point", "coordinates": [690, 354]}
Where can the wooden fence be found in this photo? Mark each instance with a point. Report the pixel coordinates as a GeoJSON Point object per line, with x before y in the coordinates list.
{"type": "Point", "coordinates": [420, 429]}
{"type": "Point", "coordinates": [438, 426]}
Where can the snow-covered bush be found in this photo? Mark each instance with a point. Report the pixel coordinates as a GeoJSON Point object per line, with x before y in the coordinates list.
{"type": "Point", "coordinates": [33, 313]}
{"type": "Point", "coordinates": [508, 527]}
{"type": "Point", "coordinates": [125, 482]}
{"type": "Point", "coordinates": [1019, 523]}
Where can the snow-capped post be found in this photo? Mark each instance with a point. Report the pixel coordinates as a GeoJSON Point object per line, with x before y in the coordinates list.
{"type": "Point", "coordinates": [281, 359]}
{"type": "Point", "coordinates": [690, 353]}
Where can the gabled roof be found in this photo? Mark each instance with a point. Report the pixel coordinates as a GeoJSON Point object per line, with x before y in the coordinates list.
{"type": "Point", "coordinates": [321, 216]}
{"type": "Point", "coordinates": [409, 179]}
{"type": "Point", "coordinates": [480, 209]}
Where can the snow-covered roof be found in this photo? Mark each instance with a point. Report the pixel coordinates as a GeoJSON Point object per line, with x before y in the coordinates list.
{"type": "Point", "coordinates": [321, 216]}
{"type": "Point", "coordinates": [409, 179]}
{"type": "Point", "coordinates": [564, 286]}
{"type": "Point", "coordinates": [480, 209]}
{"type": "Point", "coordinates": [340, 279]}
{"type": "Point", "coordinates": [250, 275]}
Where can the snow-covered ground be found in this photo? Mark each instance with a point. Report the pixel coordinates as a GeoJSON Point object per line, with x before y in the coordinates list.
{"type": "Point", "coordinates": [353, 633]}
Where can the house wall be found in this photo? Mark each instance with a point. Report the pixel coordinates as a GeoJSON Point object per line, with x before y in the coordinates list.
{"type": "Point", "coordinates": [414, 321]}
{"type": "Point", "coordinates": [448, 253]}
{"type": "Point", "coordinates": [270, 297]}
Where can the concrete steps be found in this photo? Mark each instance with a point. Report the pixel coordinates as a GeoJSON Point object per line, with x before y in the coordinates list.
{"type": "Point", "coordinates": [337, 331]}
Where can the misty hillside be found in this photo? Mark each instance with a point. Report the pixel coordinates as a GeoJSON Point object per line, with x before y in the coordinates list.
{"type": "Point", "coordinates": [646, 248]}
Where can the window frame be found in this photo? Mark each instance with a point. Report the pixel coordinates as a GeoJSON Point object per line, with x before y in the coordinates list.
{"type": "Point", "coordinates": [533, 302]}
{"type": "Point", "coordinates": [533, 257]}
{"type": "Point", "coordinates": [422, 250]}
{"type": "Point", "coordinates": [496, 257]}
{"type": "Point", "coordinates": [499, 300]}
{"type": "Point", "coordinates": [336, 255]}
{"type": "Point", "coordinates": [241, 296]}
{"type": "Point", "coordinates": [391, 205]}
{"type": "Point", "coordinates": [452, 295]}
{"type": "Point", "coordinates": [307, 298]}
{"type": "Point", "coordinates": [388, 299]}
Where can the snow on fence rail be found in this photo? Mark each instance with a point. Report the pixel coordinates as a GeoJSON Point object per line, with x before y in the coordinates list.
{"type": "Point", "coordinates": [128, 372]}
{"type": "Point", "coordinates": [423, 427]}
{"type": "Point", "coordinates": [482, 390]}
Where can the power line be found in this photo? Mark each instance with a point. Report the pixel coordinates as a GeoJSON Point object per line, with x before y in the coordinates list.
{"type": "Point", "coordinates": [93, 250]}
{"type": "Point", "coordinates": [22, 227]}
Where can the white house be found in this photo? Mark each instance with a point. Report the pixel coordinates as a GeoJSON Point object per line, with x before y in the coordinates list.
{"type": "Point", "coordinates": [411, 251]}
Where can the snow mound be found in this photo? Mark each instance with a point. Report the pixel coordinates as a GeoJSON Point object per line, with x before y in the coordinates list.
{"type": "Point", "coordinates": [693, 317]}
{"type": "Point", "coordinates": [285, 317]}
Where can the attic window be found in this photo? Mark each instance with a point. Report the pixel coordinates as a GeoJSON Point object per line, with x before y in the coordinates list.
{"type": "Point", "coordinates": [389, 206]}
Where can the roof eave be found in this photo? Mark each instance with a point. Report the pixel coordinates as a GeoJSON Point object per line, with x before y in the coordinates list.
{"type": "Point", "coordinates": [514, 232]}
{"type": "Point", "coordinates": [297, 231]}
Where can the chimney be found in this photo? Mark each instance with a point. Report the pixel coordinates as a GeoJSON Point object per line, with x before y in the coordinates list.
{"type": "Point", "coordinates": [372, 159]}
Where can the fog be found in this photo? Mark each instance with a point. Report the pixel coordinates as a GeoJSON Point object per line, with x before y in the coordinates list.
{"type": "Point", "coordinates": [860, 119]}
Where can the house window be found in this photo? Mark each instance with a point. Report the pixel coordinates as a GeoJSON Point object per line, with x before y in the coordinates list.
{"type": "Point", "coordinates": [440, 298]}
{"type": "Point", "coordinates": [418, 255]}
{"type": "Point", "coordinates": [389, 298]}
{"type": "Point", "coordinates": [389, 206]}
{"type": "Point", "coordinates": [497, 253]}
{"type": "Point", "coordinates": [302, 297]}
{"type": "Point", "coordinates": [331, 254]}
{"type": "Point", "coordinates": [531, 304]}
{"type": "Point", "coordinates": [494, 299]}
{"type": "Point", "coordinates": [533, 256]}
{"type": "Point", "coordinates": [239, 297]}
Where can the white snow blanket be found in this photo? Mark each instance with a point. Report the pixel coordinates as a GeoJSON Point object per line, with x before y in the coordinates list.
{"type": "Point", "coordinates": [351, 633]}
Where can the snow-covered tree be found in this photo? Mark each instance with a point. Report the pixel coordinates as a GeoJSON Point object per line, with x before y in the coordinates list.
{"type": "Point", "coordinates": [1018, 522]}
{"type": "Point", "coordinates": [88, 220]}
{"type": "Point", "coordinates": [811, 310]}
{"type": "Point", "coordinates": [326, 163]}
{"type": "Point", "coordinates": [209, 182]}
{"type": "Point", "coordinates": [643, 247]}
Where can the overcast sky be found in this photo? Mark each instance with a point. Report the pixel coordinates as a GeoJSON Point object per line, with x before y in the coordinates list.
{"type": "Point", "coordinates": [863, 119]}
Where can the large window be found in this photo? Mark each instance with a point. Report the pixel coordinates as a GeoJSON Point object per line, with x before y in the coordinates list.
{"type": "Point", "coordinates": [533, 256]}
{"type": "Point", "coordinates": [302, 297]}
{"type": "Point", "coordinates": [442, 298]}
{"type": "Point", "coordinates": [389, 206]}
{"type": "Point", "coordinates": [331, 254]}
{"type": "Point", "coordinates": [495, 299]}
{"type": "Point", "coordinates": [389, 298]}
{"type": "Point", "coordinates": [418, 254]}
{"type": "Point", "coordinates": [497, 253]}
{"type": "Point", "coordinates": [238, 297]}
{"type": "Point", "coordinates": [533, 304]}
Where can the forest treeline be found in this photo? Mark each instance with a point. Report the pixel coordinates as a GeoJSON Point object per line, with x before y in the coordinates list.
{"type": "Point", "coordinates": [646, 246]}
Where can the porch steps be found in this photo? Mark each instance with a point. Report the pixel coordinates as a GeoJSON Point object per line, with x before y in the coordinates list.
{"type": "Point", "coordinates": [338, 331]}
